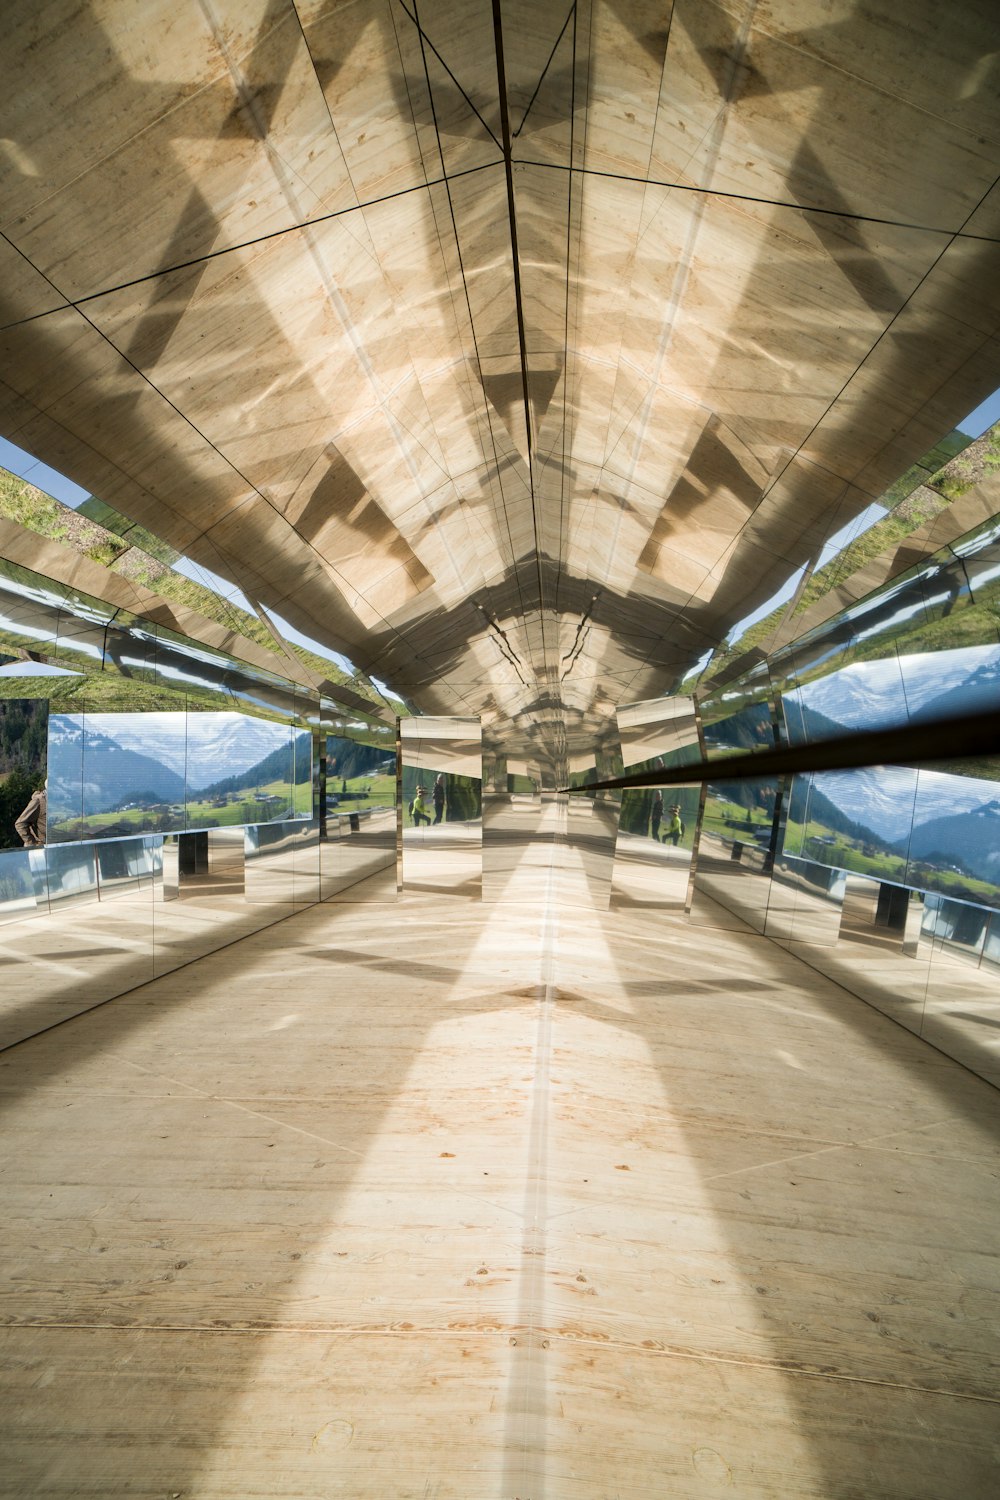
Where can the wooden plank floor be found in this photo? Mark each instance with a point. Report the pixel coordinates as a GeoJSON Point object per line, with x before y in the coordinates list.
{"type": "Point", "coordinates": [436, 1199]}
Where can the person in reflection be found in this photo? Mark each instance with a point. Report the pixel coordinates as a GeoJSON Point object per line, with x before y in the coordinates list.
{"type": "Point", "coordinates": [657, 815]}
{"type": "Point", "coordinates": [419, 809]}
{"type": "Point", "coordinates": [439, 798]}
{"type": "Point", "coordinates": [31, 823]}
{"type": "Point", "coordinates": [675, 828]}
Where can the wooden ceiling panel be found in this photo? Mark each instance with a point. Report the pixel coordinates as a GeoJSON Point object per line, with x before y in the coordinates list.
{"type": "Point", "coordinates": [393, 351]}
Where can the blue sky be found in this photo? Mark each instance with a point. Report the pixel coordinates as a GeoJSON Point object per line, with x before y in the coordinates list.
{"type": "Point", "coordinates": [988, 412]}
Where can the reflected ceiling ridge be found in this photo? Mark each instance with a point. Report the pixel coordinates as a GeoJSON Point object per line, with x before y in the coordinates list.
{"type": "Point", "coordinates": [530, 378]}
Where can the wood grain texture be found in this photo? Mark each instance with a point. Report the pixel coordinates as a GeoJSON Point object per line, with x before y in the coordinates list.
{"type": "Point", "coordinates": [442, 1199]}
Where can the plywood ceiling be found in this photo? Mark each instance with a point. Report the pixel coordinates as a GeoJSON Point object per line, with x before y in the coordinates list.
{"type": "Point", "coordinates": [517, 349]}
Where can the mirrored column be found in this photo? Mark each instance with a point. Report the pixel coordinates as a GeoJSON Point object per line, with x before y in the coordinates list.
{"type": "Point", "coordinates": [442, 806]}
{"type": "Point", "coordinates": [657, 825]}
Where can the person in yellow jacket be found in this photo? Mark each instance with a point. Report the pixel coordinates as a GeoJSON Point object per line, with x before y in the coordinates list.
{"type": "Point", "coordinates": [420, 810]}
{"type": "Point", "coordinates": [675, 827]}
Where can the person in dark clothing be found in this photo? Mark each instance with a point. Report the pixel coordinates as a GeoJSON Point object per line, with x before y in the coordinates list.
{"type": "Point", "coordinates": [657, 816]}
{"type": "Point", "coordinates": [439, 798]}
{"type": "Point", "coordinates": [31, 823]}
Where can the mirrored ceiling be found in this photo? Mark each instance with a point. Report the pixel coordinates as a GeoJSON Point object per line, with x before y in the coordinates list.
{"type": "Point", "coordinates": [516, 350]}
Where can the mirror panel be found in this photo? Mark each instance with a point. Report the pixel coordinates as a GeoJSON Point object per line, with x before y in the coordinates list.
{"type": "Point", "coordinates": [886, 879]}
{"type": "Point", "coordinates": [657, 826]}
{"type": "Point", "coordinates": [442, 806]}
{"type": "Point", "coordinates": [357, 808]}
{"type": "Point", "coordinates": [586, 832]}
{"type": "Point", "coordinates": [17, 887]}
{"type": "Point", "coordinates": [515, 868]}
{"type": "Point", "coordinates": [121, 892]}
{"type": "Point", "coordinates": [737, 833]}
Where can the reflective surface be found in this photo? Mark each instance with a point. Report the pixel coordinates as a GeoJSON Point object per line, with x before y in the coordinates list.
{"type": "Point", "coordinates": [738, 827]}
{"type": "Point", "coordinates": [668, 383]}
{"type": "Point", "coordinates": [23, 757]}
{"type": "Point", "coordinates": [657, 828]}
{"type": "Point", "coordinates": [115, 774]}
{"type": "Point", "coordinates": [442, 805]}
{"type": "Point", "coordinates": [190, 737]}
{"type": "Point", "coordinates": [886, 879]}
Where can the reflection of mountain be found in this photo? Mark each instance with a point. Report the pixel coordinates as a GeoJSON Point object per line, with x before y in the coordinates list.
{"type": "Point", "coordinates": [926, 685]}
{"type": "Point", "coordinates": [822, 809]}
{"type": "Point", "coordinates": [977, 693]}
{"type": "Point", "coordinates": [293, 761]}
{"type": "Point", "coordinates": [887, 800]}
{"type": "Point", "coordinates": [111, 773]}
{"type": "Point", "coordinates": [970, 840]}
{"type": "Point", "coordinates": [748, 729]}
{"type": "Point", "coordinates": [202, 747]}
{"type": "Point", "coordinates": [879, 799]}
{"type": "Point", "coordinates": [804, 723]}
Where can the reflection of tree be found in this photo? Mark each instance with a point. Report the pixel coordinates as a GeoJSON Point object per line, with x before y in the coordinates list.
{"type": "Point", "coordinates": [463, 800]}
{"type": "Point", "coordinates": [23, 728]}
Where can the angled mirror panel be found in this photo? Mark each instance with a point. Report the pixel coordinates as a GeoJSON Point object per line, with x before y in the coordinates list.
{"type": "Point", "coordinates": [584, 848]}
{"type": "Point", "coordinates": [442, 806]}
{"type": "Point", "coordinates": [358, 821]}
{"type": "Point", "coordinates": [656, 828]}
{"type": "Point", "coordinates": [17, 886]}
{"type": "Point", "coordinates": [954, 843]}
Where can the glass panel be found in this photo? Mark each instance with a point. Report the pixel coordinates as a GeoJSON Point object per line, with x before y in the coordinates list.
{"type": "Point", "coordinates": [17, 886]}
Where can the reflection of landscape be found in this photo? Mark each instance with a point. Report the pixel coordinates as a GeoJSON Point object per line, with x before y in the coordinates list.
{"type": "Point", "coordinates": [931, 829]}
{"type": "Point", "coordinates": [358, 775]}
{"type": "Point", "coordinates": [739, 813]}
{"type": "Point", "coordinates": [111, 775]}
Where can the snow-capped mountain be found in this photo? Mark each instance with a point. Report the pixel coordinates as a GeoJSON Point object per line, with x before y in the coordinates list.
{"type": "Point", "coordinates": [203, 748]}
{"type": "Point", "coordinates": [929, 684]}
{"type": "Point", "coordinates": [89, 772]}
{"type": "Point", "coordinates": [970, 839]}
{"type": "Point", "coordinates": [880, 799]}
{"type": "Point", "coordinates": [891, 799]}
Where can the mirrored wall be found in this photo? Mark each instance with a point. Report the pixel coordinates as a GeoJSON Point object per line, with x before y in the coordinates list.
{"type": "Point", "coordinates": [516, 856]}
{"type": "Point", "coordinates": [186, 800]}
{"type": "Point", "coordinates": [441, 789]}
{"type": "Point", "coordinates": [887, 878]}
{"type": "Point", "coordinates": [586, 828]}
{"type": "Point", "coordinates": [656, 832]}
{"type": "Point", "coordinates": [358, 822]}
